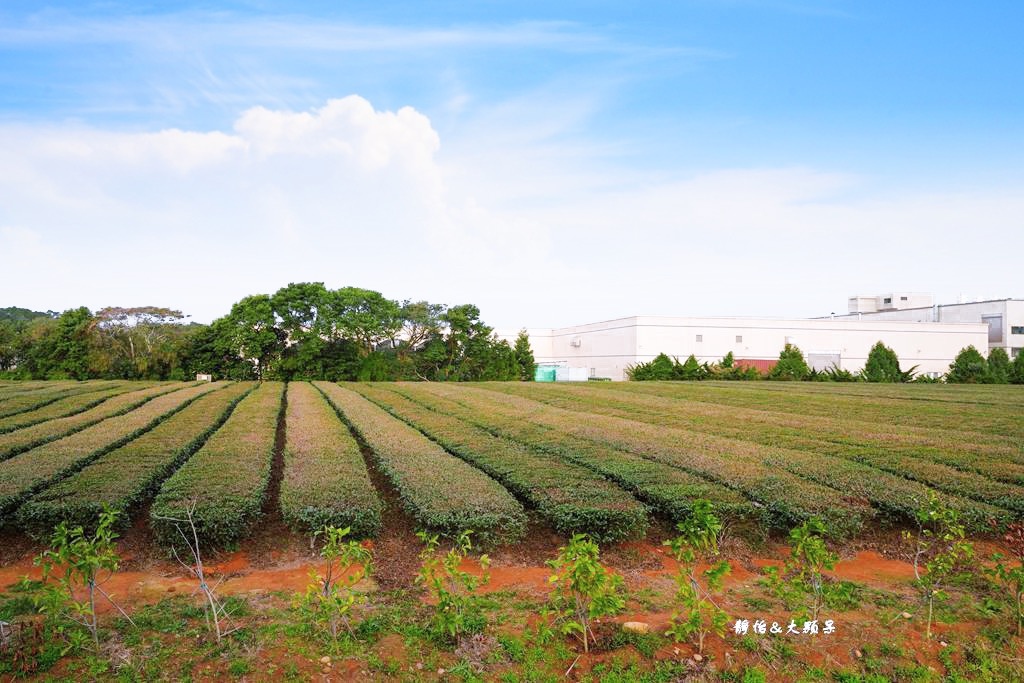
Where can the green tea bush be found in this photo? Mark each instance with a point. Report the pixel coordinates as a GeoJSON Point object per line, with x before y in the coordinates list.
{"type": "Point", "coordinates": [441, 491]}
{"type": "Point", "coordinates": [325, 480]}
{"type": "Point", "coordinates": [30, 471]}
{"type": "Point", "coordinates": [226, 480]}
{"type": "Point", "coordinates": [124, 477]}
{"type": "Point", "coordinates": [573, 499]}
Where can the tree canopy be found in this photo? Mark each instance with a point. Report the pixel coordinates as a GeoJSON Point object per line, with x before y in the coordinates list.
{"type": "Point", "coordinates": [301, 331]}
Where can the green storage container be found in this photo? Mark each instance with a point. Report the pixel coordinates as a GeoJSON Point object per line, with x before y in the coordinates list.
{"type": "Point", "coordinates": [544, 374]}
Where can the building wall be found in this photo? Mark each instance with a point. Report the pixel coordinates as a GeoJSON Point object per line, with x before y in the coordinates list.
{"type": "Point", "coordinates": [607, 348]}
{"type": "Point", "coordinates": [1015, 318]}
{"type": "Point", "coordinates": [1010, 312]}
{"type": "Point", "coordinates": [604, 348]}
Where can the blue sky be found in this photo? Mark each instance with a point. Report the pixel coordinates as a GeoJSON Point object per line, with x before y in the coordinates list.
{"type": "Point", "coordinates": [556, 162]}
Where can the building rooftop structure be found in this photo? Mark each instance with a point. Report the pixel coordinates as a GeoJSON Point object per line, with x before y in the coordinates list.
{"type": "Point", "coordinates": [1004, 318]}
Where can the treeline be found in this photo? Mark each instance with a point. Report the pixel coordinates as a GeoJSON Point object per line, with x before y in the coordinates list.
{"type": "Point", "coordinates": [301, 332]}
{"type": "Point", "coordinates": [882, 365]}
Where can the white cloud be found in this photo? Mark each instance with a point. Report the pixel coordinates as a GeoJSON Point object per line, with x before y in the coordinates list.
{"type": "Point", "coordinates": [510, 213]}
{"type": "Point", "coordinates": [342, 193]}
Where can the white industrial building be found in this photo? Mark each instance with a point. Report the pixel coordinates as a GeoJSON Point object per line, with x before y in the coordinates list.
{"type": "Point", "coordinates": [1003, 318]}
{"type": "Point", "coordinates": [921, 334]}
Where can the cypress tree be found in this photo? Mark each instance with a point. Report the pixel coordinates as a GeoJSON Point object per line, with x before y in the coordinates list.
{"type": "Point", "coordinates": [998, 366]}
{"type": "Point", "coordinates": [791, 365]}
{"type": "Point", "coordinates": [525, 363]}
{"type": "Point", "coordinates": [882, 365]}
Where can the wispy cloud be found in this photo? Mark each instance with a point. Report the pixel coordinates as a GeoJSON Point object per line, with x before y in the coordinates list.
{"type": "Point", "coordinates": [173, 33]}
{"type": "Point", "coordinates": [820, 8]}
{"type": "Point", "coordinates": [178, 67]}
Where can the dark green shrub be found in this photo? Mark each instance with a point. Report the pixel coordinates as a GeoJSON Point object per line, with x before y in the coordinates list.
{"type": "Point", "coordinates": [998, 366]}
{"type": "Point", "coordinates": [791, 365]}
{"type": "Point", "coordinates": [690, 370]}
{"type": "Point", "coordinates": [836, 374]}
{"type": "Point", "coordinates": [665, 368]}
{"type": "Point", "coordinates": [1017, 369]}
{"type": "Point", "coordinates": [728, 370]}
{"type": "Point", "coordinates": [883, 365]}
{"type": "Point", "coordinates": [969, 367]}
{"type": "Point", "coordinates": [661, 368]}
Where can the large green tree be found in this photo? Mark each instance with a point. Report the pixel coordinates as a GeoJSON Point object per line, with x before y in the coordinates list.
{"type": "Point", "coordinates": [142, 342]}
{"type": "Point", "coordinates": [10, 335]}
{"type": "Point", "coordinates": [253, 334]}
{"type": "Point", "coordinates": [419, 321]}
{"type": "Point", "coordinates": [364, 316]}
{"type": "Point", "coordinates": [300, 308]}
{"type": "Point", "coordinates": [69, 345]}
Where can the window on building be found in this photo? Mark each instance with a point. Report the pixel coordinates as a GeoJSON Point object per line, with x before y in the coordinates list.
{"type": "Point", "coordinates": [1017, 329]}
{"type": "Point", "coordinates": [739, 338]}
{"type": "Point", "coordinates": [887, 300]}
{"type": "Point", "coordinates": [995, 328]}
{"type": "Point", "coordinates": [903, 298]}
{"type": "Point", "coordinates": [700, 337]}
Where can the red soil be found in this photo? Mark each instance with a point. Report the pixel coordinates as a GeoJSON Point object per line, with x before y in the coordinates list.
{"type": "Point", "coordinates": [868, 567]}
{"type": "Point", "coordinates": [643, 564]}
